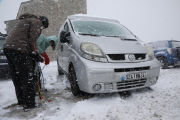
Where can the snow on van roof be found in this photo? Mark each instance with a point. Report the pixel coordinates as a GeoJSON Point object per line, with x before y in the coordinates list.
{"type": "Point", "coordinates": [90, 17]}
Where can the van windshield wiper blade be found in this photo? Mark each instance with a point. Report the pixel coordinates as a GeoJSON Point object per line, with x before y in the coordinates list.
{"type": "Point", "coordinates": [130, 39]}
{"type": "Point", "coordinates": [123, 38]}
{"type": "Point", "coordinates": [89, 34]}
{"type": "Point", "coordinates": [114, 36]}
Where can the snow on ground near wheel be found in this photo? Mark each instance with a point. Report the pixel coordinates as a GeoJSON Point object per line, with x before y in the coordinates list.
{"type": "Point", "coordinates": [161, 101]}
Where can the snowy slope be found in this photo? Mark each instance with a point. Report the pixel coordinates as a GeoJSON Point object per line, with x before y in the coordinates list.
{"type": "Point", "coordinates": [160, 102]}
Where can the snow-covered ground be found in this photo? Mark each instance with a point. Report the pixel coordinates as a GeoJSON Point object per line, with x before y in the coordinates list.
{"type": "Point", "coordinates": [159, 102]}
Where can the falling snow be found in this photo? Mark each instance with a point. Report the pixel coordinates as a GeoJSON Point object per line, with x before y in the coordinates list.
{"type": "Point", "coordinates": [161, 101]}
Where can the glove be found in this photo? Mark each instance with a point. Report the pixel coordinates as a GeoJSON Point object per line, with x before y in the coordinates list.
{"type": "Point", "coordinates": [35, 56]}
{"type": "Point", "coordinates": [41, 59]}
{"type": "Point", "coordinates": [46, 58]}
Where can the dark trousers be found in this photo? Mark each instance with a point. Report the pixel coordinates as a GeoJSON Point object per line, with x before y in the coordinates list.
{"type": "Point", "coordinates": [22, 70]}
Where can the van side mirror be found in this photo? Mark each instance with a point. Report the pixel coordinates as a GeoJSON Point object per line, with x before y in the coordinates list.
{"type": "Point", "coordinates": [64, 36]}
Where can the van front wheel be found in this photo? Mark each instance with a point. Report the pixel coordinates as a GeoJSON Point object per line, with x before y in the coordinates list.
{"type": "Point", "coordinates": [73, 81]}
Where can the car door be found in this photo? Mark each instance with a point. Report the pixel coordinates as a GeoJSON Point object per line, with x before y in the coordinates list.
{"type": "Point", "coordinates": [65, 50]}
{"type": "Point", "coordinates": [60, 49]}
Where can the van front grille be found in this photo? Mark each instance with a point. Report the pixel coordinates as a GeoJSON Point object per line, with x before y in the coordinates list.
{"type": "Point", "coordinates": [117, 56]}
{"type": "Point", "coordinates": [122, 56]}
{"type": "Point", "coordinates": [130, 84]}
{"type": "Point", "coordinates": [140, 56]}
{"type": "Point", "coordinates": [131, 69]}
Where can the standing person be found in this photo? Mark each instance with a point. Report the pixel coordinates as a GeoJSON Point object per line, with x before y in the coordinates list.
{"type": "Point", "coordinates": [20, 50]}
{"type": "Point", "coordinates": [43, 43]}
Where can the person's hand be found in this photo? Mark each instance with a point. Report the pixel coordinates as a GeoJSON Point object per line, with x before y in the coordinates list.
{"type": "Point", "coordinates": [46, 58]}
{"type": "Point", "coordinates": [41, 59]}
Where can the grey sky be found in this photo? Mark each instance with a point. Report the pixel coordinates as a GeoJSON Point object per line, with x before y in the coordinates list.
{"type": "Point", "coordinates": [150, 20]}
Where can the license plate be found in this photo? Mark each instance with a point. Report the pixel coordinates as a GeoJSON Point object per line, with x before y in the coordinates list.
{"type": "Point", "coordinates": [135, 76]}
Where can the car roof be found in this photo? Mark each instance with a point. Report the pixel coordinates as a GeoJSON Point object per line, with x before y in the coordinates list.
{"type": "Point", "coordinates": [87, 17]}
{"type": "Point", "coordinates": [165, 41]}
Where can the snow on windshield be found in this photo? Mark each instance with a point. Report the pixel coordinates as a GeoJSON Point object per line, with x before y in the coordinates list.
{"type": "Point", "coordinates": [175, 44]}
{"type": "Point", "coordinates": [101, 28]}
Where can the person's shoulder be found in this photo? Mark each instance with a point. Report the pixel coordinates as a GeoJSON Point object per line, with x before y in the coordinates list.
{"type": "Point", "coordinates": [34, 21]}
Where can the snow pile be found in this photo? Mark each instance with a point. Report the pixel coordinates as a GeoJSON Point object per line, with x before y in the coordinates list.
{"type": "Point", "coordinates": [161, 101]}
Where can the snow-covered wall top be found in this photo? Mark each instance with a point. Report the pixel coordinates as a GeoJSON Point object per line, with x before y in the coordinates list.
{"type": "Point", "coordinates": [56, 11]}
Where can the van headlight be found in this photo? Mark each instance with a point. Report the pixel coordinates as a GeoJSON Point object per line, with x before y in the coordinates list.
{"type": "Point", "coordinates": [92, 52]}
{"type": "Point", "coordinates": [150, 51]}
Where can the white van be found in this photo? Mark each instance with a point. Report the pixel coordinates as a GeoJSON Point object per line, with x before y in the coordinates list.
{"type": "Point", "coordinates": [100, 55]}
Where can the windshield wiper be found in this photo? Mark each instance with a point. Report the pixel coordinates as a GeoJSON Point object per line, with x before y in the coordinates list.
{"type": "Point", "coordinates": [114, 36]}
{"type": "Point", "coordinates": [89, 34]}
{"type": "Point", "coordinates": [129, 39]}
{"type": "Point", "coordinates": [123, 38]}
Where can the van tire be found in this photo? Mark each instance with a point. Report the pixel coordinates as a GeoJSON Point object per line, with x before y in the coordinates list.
{"type": "Point", "coordinates": [73, 82]}
{"type": "Point", "coordinates": [163, 61]}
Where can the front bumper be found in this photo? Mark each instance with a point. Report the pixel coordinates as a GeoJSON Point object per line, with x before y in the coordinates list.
{"type": "Point", "coordinates": [103, 75]}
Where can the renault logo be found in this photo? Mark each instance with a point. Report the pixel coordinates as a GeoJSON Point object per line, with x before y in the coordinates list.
{"type": "Point", "coordinates": [131, 57]}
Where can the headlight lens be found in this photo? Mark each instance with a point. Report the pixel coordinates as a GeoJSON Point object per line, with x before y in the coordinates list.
{"type": "Point", "coordinates": [150, 51]}
{"type": "Point", "coordinates": [92, 52]}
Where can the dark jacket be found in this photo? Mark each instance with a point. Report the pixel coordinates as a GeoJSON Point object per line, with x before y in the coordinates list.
{"type": "Point", "coordinates": [24, 34]}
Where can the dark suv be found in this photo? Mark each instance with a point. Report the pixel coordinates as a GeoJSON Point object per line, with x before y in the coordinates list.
{"type": "Point", "coordinates": [4, 68]}
{"type": "Point", "coordinates": [167, 52]}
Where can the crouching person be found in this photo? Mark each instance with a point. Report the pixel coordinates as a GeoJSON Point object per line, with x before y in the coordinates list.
{"type": "Point", "coordinates": [43, 43]}
{"type": "Point", "coordinates": [20, 50]}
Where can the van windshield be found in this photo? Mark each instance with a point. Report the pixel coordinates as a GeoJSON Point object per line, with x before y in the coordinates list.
{"type": "Point", "coordinates": [101, 28]}
{"type": "Point", "coordinates": [175, 44]}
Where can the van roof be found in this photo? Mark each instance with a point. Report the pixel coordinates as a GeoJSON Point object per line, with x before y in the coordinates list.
{"type": "Point", "coordinates": [88, 17]}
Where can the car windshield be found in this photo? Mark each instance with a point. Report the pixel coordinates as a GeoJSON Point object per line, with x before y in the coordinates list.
{"type": "Point", "coordinates": [175, 44]}
{"type": "Point", "coordinates": [1, 43]}
{"type": "Point", "coordinates": [101, 28]}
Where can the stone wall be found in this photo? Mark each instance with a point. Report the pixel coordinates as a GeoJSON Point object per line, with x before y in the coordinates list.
{"type": "Point", "coordinates": [56, 11]}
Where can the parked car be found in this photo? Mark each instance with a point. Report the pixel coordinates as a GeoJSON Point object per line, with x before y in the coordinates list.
{"type": "Point", "coordinates": [100, 55]}
{"type": "Point", "coordinates": [4, 68]}
{"type": "Point", "coordinates": [167, 52]}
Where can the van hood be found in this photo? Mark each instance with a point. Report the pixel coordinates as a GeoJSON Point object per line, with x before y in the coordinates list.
{"type": "Point", "coordinates": [114, 45]}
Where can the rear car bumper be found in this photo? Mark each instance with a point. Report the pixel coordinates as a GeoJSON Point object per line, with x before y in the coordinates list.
{"type": "Point", "coordinates": [172, 60]}
{"type": "Point", "coordinates": [113, 77]}
{"type": "Point", "coordinates": [176, 61]}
